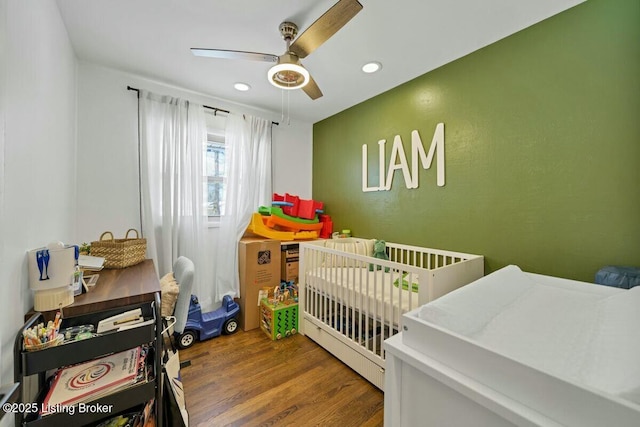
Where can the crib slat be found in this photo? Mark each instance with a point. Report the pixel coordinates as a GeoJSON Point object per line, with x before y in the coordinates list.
{"type": "Point", "coordinates": [365, 307]}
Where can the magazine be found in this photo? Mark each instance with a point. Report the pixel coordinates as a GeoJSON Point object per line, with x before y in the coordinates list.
{"type": "Point", "coordinates": [90, 380]}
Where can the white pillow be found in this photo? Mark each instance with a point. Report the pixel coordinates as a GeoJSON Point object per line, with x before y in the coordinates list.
{"type": "Point", "coordinates": [349, 246]}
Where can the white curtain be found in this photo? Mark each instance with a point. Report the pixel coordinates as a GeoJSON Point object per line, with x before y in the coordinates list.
{"type": "Point", "coordinates": [173, 135]}
{"type": "Point", "coordinates": [248, 166]}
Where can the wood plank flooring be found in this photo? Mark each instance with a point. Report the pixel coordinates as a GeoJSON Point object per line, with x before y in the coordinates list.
{"type": "Point", "coordinates": [246, 379]}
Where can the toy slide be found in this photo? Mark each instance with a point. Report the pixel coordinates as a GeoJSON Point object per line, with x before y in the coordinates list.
{"type": "Point", "coordinates": [274, 210]}
{"type": "Point", "coordinates": [275, 218]}
{"type": "Point", "coordinates": [258, 226]}
{"type": "Point", "coordinates": [297, 207]}
{"type": "Point", "coordinates": [273, 221]}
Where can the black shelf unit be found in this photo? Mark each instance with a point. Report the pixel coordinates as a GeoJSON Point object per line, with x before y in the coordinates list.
{"type": "Point", "coordinates": [39, 362]}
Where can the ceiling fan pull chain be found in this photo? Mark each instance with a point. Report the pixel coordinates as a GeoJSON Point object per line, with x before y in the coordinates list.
{"type": "Point", "coordinates": [282, 105]}
{"type": "Point", "coordinates": [288, 110]}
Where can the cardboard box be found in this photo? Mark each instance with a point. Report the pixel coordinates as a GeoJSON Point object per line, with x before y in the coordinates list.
{"type": "Point", "coordinates": [291, 247]}
{"type": "Point", "coordinates": [289, 271]}
{"type": "Point", "coordinates": [259, 266]}
{"type": "Point", "coordinates": [290, 262]}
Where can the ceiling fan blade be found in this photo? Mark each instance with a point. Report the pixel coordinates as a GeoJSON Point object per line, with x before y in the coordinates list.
{"type": "Point", "coordinates": [325, 27]}
{"type": "Point", "coordinates": [312, 89]}
{"type": "Point", "coordinates": [234, 54]}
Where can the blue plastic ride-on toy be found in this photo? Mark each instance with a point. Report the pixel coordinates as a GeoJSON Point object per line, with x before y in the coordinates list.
{"type": "Point", "coordinates": [202, 326]}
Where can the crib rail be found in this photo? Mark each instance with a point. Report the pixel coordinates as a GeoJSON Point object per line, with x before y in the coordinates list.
{"type": "Point", "coordinates": [424, 258]}
{"type": "Point", "coordinates": [360, 299]}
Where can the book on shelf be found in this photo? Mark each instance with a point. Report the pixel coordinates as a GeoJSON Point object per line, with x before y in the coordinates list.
{"type": "Point", "coordinates": [93, 263]}
{"type": "Point", "coordinates": [91, 380]}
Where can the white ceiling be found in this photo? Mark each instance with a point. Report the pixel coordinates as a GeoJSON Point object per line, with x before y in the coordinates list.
{"type": "Point", "coordinates": [152, 38]}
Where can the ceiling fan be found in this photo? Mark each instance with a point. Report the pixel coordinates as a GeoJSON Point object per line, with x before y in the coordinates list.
{"type": "Point", "coordinates": [288, 73]}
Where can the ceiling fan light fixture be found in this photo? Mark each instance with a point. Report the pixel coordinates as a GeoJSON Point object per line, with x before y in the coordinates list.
{"type": "Point", "coordinates": [288, 76]}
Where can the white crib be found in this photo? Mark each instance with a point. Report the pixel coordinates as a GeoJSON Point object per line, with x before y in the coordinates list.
{"type": "Point", "coordinates": [350, 302]}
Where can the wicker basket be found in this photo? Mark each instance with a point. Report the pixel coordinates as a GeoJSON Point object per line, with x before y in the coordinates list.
{"type": "Point", "coordinates": [59, 339]}
{"type": "Point", "coordinates": [120, 253]}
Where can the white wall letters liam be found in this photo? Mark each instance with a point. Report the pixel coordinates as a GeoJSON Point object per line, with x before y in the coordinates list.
{"type": "Point", "coordinates": [398, 161]}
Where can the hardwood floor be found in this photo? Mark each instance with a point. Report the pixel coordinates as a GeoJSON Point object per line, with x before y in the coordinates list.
{"type": "Point", "coordinates": [246, 379]}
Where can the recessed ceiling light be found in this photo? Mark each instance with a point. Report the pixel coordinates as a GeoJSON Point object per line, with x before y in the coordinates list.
{"type": "Point", "coordinates": [242, 87]}
{"type": "Point", "coordinates": [371, 67]}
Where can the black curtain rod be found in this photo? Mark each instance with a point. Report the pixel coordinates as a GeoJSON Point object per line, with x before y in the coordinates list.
{"type": "Point", "coordinates": [215, 109]}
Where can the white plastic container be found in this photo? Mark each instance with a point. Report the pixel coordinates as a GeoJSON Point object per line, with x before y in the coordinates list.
{"type": "Point", "coordinates": [54, 272]}
{"type": "Point", "coordinates": [51, 273]}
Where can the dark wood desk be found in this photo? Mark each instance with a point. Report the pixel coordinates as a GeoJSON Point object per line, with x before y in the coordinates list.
{"type": "Point", "coordinates": [115, 288]}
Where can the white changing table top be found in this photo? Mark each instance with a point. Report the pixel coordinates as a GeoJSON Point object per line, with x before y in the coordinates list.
{"type": "Point", "coordinates": [554, 343]}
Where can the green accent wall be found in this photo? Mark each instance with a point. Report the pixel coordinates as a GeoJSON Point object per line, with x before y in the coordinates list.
{"type": "Point", "coordinates": [542, 152]}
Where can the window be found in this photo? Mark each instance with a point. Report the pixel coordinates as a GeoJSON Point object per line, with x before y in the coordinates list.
{"type": "Point", "coordinates": [214, 167]}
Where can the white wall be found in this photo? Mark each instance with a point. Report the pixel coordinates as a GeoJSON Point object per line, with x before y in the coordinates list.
{"type": "Point", "coordinates": [292, 159]}
{"type": "Point", "coordinates": [39, 197]}
{"type": "Point", "coordinates": [108, 144]}
{"type": "Point", "coordinates": [4, 331]}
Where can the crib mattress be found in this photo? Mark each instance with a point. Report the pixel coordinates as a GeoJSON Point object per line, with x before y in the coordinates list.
{"type": "Point", "coordinates": [583, 333]}
{"type": "Point", "coordinates": [371, 292]}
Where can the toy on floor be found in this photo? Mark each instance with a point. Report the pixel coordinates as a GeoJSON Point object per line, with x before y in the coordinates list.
{"type": "Point", "coordinates": [380, 251]}
{"type": "Point", "coordinates": [202, 326]}
{"type": "Point", "coordinates": [286, 292]}
{"type": "Point", "coordinates": [279, 311]}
